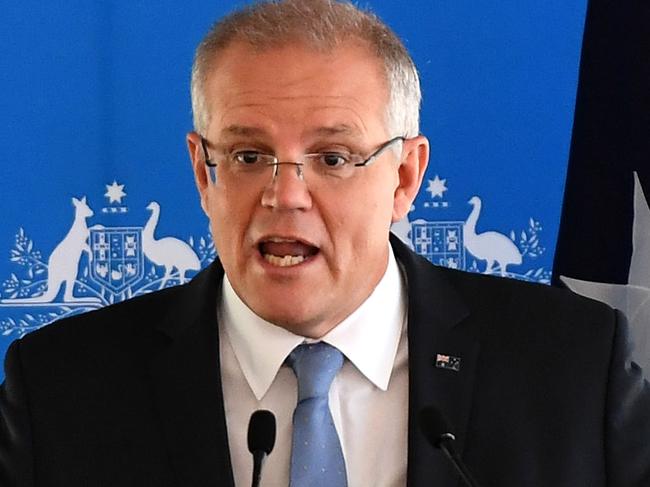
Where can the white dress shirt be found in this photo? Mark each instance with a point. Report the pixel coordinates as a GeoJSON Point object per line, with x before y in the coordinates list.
{"type": "Point", "coordinates": [368, 398]}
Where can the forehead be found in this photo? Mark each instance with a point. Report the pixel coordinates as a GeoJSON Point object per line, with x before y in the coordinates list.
{"type": "Point", "coordinates": [296, 85]}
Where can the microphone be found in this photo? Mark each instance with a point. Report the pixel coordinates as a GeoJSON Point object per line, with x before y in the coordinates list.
{"type": "Point", "coordinates": [437, 430]}
{"type": "Point", "coordinates": [261, 439]}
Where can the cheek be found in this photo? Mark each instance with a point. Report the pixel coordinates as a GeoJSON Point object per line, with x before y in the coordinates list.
{"type": "Point", "coordinates": [360, 224]}
{"type": "Point", "coordinates": [228, 219]}
{"type": "Point", "coordinates": [376, 208]}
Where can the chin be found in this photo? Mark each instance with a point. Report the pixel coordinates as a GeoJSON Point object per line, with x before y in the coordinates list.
{"type": "Point", "coordinates": [290, 318]}
{"type": "Point", "coordinates": [296, 321]}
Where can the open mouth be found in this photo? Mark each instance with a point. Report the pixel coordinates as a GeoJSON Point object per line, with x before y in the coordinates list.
{"type": "Point", "coordinates": [285, 252]}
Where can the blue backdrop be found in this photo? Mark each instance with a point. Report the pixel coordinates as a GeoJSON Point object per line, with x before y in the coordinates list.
{"type": "Point", "coordinates": [95, 105]}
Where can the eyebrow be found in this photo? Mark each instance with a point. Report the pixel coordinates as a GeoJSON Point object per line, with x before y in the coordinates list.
{"type": "Point", "coordinates": [243, 130]}
{"type": "Point", "coordinates": [248, 131]}
{"type": "Point", "coordinates": [340, 129]}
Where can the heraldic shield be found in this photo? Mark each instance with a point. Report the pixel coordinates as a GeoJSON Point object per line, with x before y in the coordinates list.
{"type": "Point", "coordinates": [440, 242]}
{"type": "Point", "coordinates": [118, 261]}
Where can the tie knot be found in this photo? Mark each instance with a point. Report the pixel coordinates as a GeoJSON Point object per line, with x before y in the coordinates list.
{"type": "Point", "coordinates": [315, 366]}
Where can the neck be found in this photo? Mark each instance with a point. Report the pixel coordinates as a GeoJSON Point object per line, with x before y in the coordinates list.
{"type": "Point", "coordinates": [151, 224]}
{"type": "Point", "coordinates": [473, 217]}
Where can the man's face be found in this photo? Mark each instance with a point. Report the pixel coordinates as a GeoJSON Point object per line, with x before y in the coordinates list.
{"type": "Point", "coordinates": [291, 101]}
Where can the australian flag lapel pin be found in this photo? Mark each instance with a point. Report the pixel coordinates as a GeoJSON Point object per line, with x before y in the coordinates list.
{"type": "Point", "coordinates": [447, 362]}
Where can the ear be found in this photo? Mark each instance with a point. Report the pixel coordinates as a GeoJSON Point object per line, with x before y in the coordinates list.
{"type": "Point", "coordinates": [415, 157]}
{"type": "Point", "coordinates": [199, 167]}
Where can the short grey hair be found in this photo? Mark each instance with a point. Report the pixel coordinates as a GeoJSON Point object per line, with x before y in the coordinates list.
{"type": "Point", "coordinates": [322, 25]}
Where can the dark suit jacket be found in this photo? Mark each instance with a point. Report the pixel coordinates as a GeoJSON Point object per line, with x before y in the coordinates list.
{"type": "Point", "coordinates": [130, 395]}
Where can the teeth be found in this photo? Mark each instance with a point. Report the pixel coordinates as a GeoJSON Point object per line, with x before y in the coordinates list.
{"type": "Point", "coordinates": [286, 261]}
{"type": "Point", "coordinates": [280, 240]}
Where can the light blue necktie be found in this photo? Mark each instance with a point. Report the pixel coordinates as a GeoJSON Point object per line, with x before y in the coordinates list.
{"type": "Point", "coordinates": [316, 455]}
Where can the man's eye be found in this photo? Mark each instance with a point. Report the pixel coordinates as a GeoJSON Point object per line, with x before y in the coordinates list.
{"type": "Point", "coordinates": [334, 159]}
{"type": "Point", "coordinates": [246, 157]}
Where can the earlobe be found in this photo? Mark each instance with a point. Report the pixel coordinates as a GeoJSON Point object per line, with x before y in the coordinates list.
{"type": "Point", "coordinates": [411, 172]}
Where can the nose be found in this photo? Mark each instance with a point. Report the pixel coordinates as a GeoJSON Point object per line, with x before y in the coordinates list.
{"type": "Point", "coordinates": [288, 189]}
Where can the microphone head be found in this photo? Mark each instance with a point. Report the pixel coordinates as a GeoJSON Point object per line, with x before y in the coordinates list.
{"type": "Point", "coordinates": [435, 426]}
{"type": "Point", "coordinates": [261, 431]}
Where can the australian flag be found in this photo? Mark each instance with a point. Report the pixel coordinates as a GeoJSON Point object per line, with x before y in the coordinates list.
{"type": "Point", "coordinates": [603, 249]}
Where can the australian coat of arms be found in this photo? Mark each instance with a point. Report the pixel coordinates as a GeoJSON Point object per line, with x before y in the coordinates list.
{"type": "Point", "coordinates": [95, 266]}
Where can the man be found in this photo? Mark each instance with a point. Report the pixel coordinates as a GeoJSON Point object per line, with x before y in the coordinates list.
{"type": "Point", "coordinates": [305, 149]}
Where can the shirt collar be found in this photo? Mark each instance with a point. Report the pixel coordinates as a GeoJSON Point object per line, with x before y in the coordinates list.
{"type": "Point", "coordinates": [368, 337]}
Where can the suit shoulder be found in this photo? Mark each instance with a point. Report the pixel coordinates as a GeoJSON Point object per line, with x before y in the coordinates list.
{"type": "Point", "coordinates": [532, 302]}
{"type": "Point", "coordinates": [487, 292]}
{"type": "Point", "coordinates": [131, 322]}
{"type": "Point", "coordinates": [116, 319]}
{"type": "Point", "coordinates": [525, 291]}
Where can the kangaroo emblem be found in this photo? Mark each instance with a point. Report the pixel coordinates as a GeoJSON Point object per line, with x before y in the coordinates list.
{"type": "Point", "coordinates": [63, 264]}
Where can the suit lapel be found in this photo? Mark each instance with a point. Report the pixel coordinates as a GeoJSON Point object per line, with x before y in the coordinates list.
{"type": "Point", "coordinates": [186, 380]}
{"type": "Point", "coordinates": [437, 324]}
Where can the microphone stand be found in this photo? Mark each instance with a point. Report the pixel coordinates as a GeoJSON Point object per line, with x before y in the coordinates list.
{"type": "Point", "coordinates": [258, 459]}
{"type": "Point", "coordinates": [445, 444]}
{"type": "Point", "coordinates": [261, 438]}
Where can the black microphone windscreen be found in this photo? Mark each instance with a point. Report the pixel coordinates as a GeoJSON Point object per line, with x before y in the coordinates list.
{"type": "Point", "coordinates": [435, 426]}
{"type": "Point", "coordinates": [261, 431]}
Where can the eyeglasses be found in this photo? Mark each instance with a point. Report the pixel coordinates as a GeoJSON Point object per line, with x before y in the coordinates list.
{"type": "Point", "coordinates": [327, 165]}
